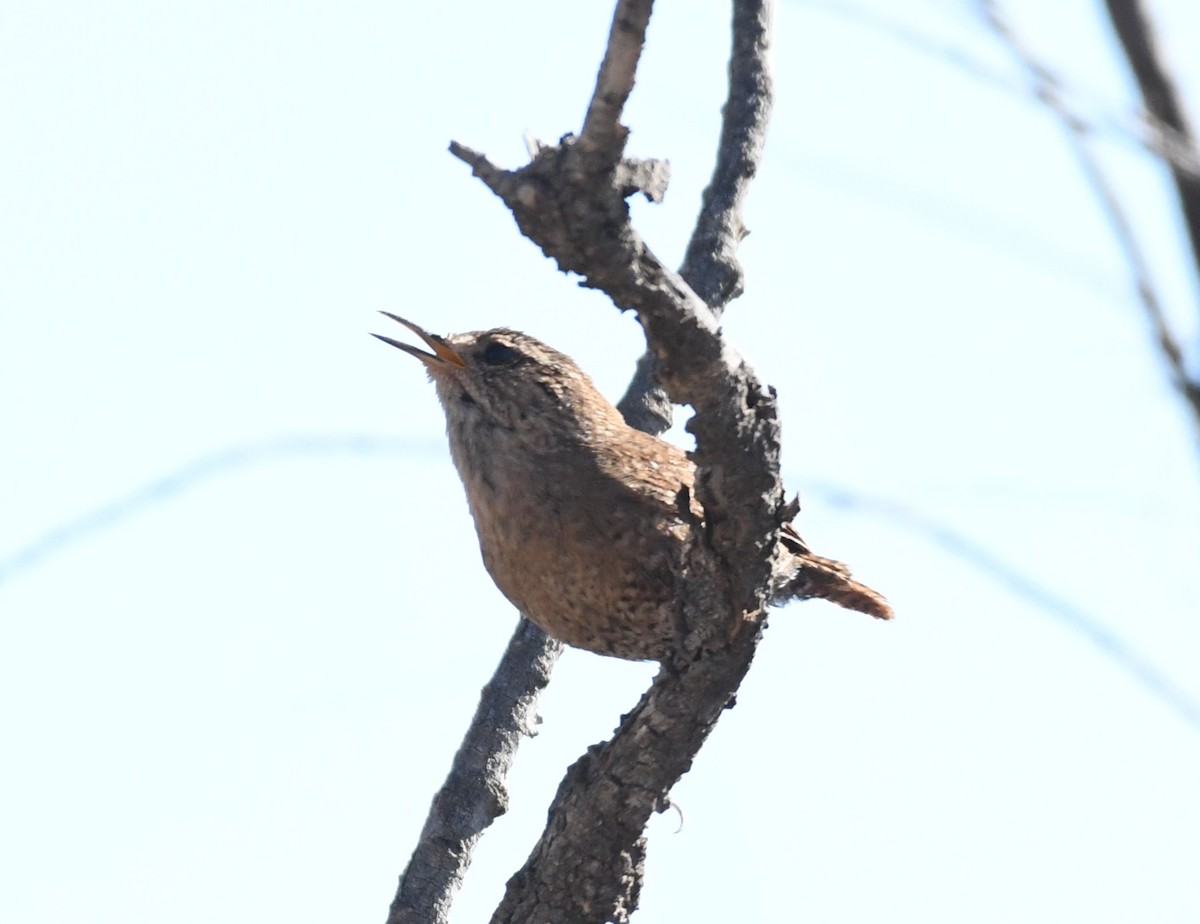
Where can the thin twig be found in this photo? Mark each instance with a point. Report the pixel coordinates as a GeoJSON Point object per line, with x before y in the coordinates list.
{"type": "Point", "coordinates": [1046, 89]}
{"type": "Point", "coordinates": [993, 565]}
{"type": "Point", "coordinates": [1141, 128]}
{"type": "Point", "coordinates": [1132, 24]}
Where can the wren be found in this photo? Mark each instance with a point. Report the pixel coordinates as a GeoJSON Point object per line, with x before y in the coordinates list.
{"type": "Point", "coordinates": [578, 514]}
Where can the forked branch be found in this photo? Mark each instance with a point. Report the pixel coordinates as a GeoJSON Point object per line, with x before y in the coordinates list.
{"type": "Point", "coordinates": [571, 201]}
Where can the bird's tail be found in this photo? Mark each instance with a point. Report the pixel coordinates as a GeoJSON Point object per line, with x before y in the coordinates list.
{"type": "Point", "coordinates": [807, 575]}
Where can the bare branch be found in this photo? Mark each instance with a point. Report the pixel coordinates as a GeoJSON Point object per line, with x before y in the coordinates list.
{"type": "Point", "coordinates": [711, 267]}
{"type": "Point", "coordinates": [585, 227]}
{"type": "Point", "coordinates": [587, 865]}
{"type": "Point", "coordinates": [570, 200]}
{"type": "Point", "coordinates": [1087, 627]}
{"type": "Point", "coordinates": [1141, 128]}
{"type": "Point", "coordinates": [603, 136]}
{"type": "Point", "coordinates": [1046, 88]}
{"type": "Point", "coordinates": [1133, 27]}
{"type": "Point", "coordinates": [473, 795]}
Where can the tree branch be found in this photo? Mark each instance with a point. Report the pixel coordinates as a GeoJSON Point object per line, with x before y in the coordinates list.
{"type": "Point", "coordinates": [587, 866]}
{"type": "Point", "coordinates": [710, 265]}
{"type": "Point", "coordinates": [603, 136]}
{"type": "Point", "coordinates": [1046, 89]}
{"type": "Point", "coordinates": [571, 201]}
{"type": "Point", "coordinates": [568, 200]}
{"type": "Point", "coordinates": [1135, 31]}
{"type": "Point", "coordinates": [1140, 128]}
{"type": "Point", "coordinates": [1132, 24]}
{"type": "Point", "coordinates": [474, 794]}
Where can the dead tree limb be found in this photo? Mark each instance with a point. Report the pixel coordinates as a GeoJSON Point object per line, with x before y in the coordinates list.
{"type": "Point", "coordinates": [710, 265]}
{"type": "Point", "coordinates": [474, 794]}
{"type": "Point", "coordinates": [570, 200]}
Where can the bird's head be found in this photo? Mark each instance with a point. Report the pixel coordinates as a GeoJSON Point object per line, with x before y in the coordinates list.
{"type": "Point", "coordinates": [505, 380]}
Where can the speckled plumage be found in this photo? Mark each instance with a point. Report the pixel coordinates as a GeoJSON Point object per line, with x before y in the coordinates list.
{"type": "Point", "coordinates": [576, 511]}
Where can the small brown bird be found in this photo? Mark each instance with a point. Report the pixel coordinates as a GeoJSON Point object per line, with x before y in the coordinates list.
{"type": "Point", "coordinates": [577, 512]}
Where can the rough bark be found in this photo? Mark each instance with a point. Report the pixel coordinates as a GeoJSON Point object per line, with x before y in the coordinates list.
{"type": "Point", "coordinates": [710, 265]}
{"type": "Point", "coordinates": [474, 795]}
{"type": "Point", "coordinates": [570, 200]}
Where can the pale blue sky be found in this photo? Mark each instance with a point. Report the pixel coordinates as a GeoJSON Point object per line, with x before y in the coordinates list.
{"type": "Point", "coordinates": [235, 702]}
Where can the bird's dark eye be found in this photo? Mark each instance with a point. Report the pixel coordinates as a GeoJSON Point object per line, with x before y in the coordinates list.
{"type": "Point", "coordinates": [497, 354]}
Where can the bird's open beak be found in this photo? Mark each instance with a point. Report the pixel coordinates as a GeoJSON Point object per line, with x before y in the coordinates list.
{"type": "Point", "coordinates": [442, 352]}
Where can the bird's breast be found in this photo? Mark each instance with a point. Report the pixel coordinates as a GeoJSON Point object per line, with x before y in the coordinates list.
{"type": "Point", "coordinates": [587, 556]}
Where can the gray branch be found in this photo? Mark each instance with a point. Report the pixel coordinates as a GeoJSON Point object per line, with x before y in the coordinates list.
{"type": "Point", "coordinates": [710, 266]}
{"type": "Point", "coordinates": [1131, 21]}
{"type": "Point", "coordinates": [603, 136]}
{"type": "Point", "coordinates": [1141, 128]}
{"type": "Point", "coordinates": [1047, 89]}
{"type": "Point", "coordinates": [569, 200]}
{"type": "Point", "coordinates": [474, 794]}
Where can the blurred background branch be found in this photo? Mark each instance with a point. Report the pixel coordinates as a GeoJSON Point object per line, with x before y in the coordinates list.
{"type": "Point", "coordinates": [988, 563]}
